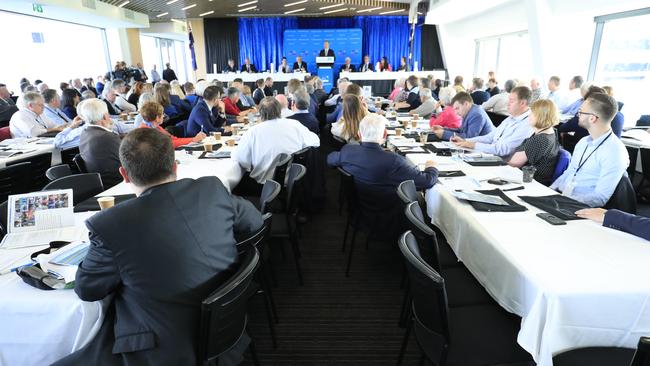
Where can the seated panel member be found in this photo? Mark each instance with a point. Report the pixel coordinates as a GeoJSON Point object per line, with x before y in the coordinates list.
{"type": "Point", "coordinates": [230, 67]}
{"type": "Point", "coordinates": [299, 65]}
{"type": "Point", "coordinates": [202, 118]}
{"type": "Point", "coordinates": [185, 228]}
{"type": "Point", "coordinates": [284, 67]}
{"type": "Point", "coordinates": [619, 220]}
{"type": "Point", "coordinates": [30, 121]}
{"type": "Point", "coordinates": [503, 140]}
{"type": "Point", "coordinates": [347, 66]}
{"type": "Point", "coordinates": [366, 65]}
{"type": "Point", "coordinates": [475, 120]}
{"type": "Point", "coordinates": [248, 66]}
{"type": "Point", "coordinates": [599, 160]}
{"type": "Point", "coordinates": [152, 113]}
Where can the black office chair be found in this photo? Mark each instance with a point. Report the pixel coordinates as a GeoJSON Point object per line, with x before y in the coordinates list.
{"type": "Point", "coordinates": [645, 167]}
{"type": "Point", "coordinates": [338, 143]}
{"type": "Point", "coordinates": [496, 118]}
{"type": "Point", "coordinates": [67, 157]}
{"type": "Point", "coordinates": [84, 186]}
{"type": "Point", "coordinates": [633, 154]}
{"type": "Point", "coordinates": [4, 214]}
{"type": "Point", "coordinates": [15, 179]}
{"type": "Point", "coordinates": [281, 163]}
{"type": "Point", "coordinates": [624, 196]}
{"type": "Point", "coordinates": [270, 192]}
{"type": "Point", "coordinates": [58, 171]}
{"type": "Point", "coordinates": [223, 314]}
{"type": "Point", "coordinates": [643, 121]}
{"type": "Point", "coordinates": [39, 165]}
{"type": "Point", "coordinates": [468, 335]}
{"type": "Point", "coordinates": [285, 226]}
{"type": "Point", "coordinates": [80, 163]}
{"type": "Point", "coordinates": [606, 356]}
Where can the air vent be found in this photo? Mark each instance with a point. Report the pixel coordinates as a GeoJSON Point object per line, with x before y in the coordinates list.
{"type": "Point", "coordinates": [90, 4]}
{"type": "Point", "coordinates": [129, 14]}
{"type": "Point", "coordinates": [37, 37]}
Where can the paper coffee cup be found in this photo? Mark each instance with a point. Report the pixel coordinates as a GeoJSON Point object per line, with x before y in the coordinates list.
{"type": "Point", "coordinates": [207, 147]}
{"type": "Point", "coordinates": [216, 135]}
{"type": "Point", "coordinates": [230, 142]}
{"type": "Point", "coordinates": [106, 202]}
{"type": "Point", "coordinates": [398, 131]}
{"type": "Point", "coordinates": [414, 124]}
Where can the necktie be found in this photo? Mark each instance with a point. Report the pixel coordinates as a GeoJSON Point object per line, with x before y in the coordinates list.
{"type": "Point", "coordinates": [62, 115]}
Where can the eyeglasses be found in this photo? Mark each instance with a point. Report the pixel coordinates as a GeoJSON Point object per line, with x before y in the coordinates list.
{"type": "Point", "coordinates": [587, 113]}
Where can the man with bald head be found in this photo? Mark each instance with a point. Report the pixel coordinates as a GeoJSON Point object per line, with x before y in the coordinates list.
{"type": "Point", "coordinates": [536, 91]}
{"type": "Point", "coordinates": [284, 104]}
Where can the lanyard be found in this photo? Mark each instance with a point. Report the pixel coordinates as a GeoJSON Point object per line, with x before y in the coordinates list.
{"type": "Point", "coordinates": [581, 163]}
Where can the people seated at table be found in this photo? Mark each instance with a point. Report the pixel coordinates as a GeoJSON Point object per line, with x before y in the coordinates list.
{"type": "Point", "coordinates": [52, 108]}
{"type": "Point", "coordinates": [572, 125]}
{"type": "Point", "coordinates": [268, 86]}
{"type": "Point", "coordinates": [152, 114]}
{"type": "Point", "coordinates": [599, 160]}
{"type": "Point", "coordinates": [203, 119]}
{"type": "Point", "coordinates": [383, 65]}
{"type": "Point", "coordinates": [69, 101]}
{"type": "Point", "coordinates": [30, 121]}
{"type": "Point", "coordinates": [284, 67]}
{"type": "Point", "coordinates": [474, 120]}
{"type": "Point", "coordinates": [503, 140]}
{"type": "Point", "coordinates": [347, 127]}
{"type": "Point", "coordinates": [190, 94]}
{"type": "Point", "coordinates": [479, 96]}
{"type": "Point", "coordinates": [121, 101]}
{"type": "Point", "coordinates": [230, 102]}
{"type": "Point", "coordinates": [499, 102]}
{"type": "Point", "coordinates": [135, 92]}
{"type": "Point", "coordinates": [555, 94]}
{"type": "Point", "coordinates": [347, 66]}
{"type": "Point", "coordinates": [458, 84]}
{"type": "Point", "coordinates": [353, 89]}
{"type": "Point", "coordinates": [403, 65]}
{"type": "Point", "coordinates": [7, 105]}
{"type": "Point", "coordinates": [413, 99]}
{"type": "Point", "coordinates": [536, 91]}
{"type": "Point", "coordinates": [230, 66]}
{"type": "Point", "coordinates": [427, 106]}
{"type": "Point", "coordinates": [319, 92]}
{"type": "Point", "coordinates": [398, 86]}
{"type": "Point", "coordinates": [493, 87]}
{"type": "Point", "coordinates": [300, 65]}
{"type": "Point", "coordinates": [258, 94]}
{"type": "Point", "coordinates": [577, 90]}
{"type": "Point", "coordinates": [366, 65]}
{"type": "Point", "coordinates": [618, 220]}
{"type": "Point", "coordinates": [437, 85]}
{"type": "Point", "coordinates": [161, 92]}
{"type": "Point", "coordinates": [262, 143]}
{"type": "Point", "coordinates": [542, 148]}
{"type": "Point", "coordinates": [285, 112]}
{"type": "Point", "coordinates": [300, 109]}
{"type": "Point", "coordinates": [248, 66]}
{"type": "Point", "coordinates": [98, 145]}
{"type": "Point", "coordinates": [150, 321]}
{"type": "Point", "coordinates": [447, 116]}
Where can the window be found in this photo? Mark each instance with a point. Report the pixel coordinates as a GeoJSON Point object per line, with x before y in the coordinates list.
{"type": "Point", "coordinates": [508, 55]}
{"type": "Point", "coordinates": [159, 51]}
{"type": "Point", "coordinates": [39, 47]}
{"type": "Point", "coordinates": [621, 59]}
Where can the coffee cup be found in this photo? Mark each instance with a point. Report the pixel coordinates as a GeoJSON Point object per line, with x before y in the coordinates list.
{"type": "Point", "coordinates": [398, 131]}
{"type": "Point", "coordinates": [230, 142]}
{"type": "Point", "coordinates": [106, 202]}
{"type": "Point", "coordinates": [207, 147]}
{"type": "Point", "coordinates": [216, 135]}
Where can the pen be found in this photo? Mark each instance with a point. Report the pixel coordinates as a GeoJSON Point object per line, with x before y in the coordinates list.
{"type": "Point", "coordinates": [4, 272]}
{"type": "Point", "coordinates": [513, 189]}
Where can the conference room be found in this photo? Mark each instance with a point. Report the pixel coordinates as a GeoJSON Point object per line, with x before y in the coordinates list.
{"type": "Point", "coordinates": [325, 182]}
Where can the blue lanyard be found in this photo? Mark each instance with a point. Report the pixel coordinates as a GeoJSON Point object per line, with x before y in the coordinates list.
{"type": "Point", "coordinates": [581, 163]}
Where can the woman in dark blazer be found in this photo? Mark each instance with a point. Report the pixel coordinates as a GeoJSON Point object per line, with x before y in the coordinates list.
{"type": "Point", "coordinates": [69, 101]}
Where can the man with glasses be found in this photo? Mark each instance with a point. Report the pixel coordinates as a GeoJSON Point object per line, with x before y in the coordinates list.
{"type": "Point", "coordinates": [30, 121]}
{"type": "Point", "coordinates": [599, 160]}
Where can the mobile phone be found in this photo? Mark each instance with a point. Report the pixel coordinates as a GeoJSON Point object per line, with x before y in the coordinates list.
{"type": "Point", "coordinates": [497, 181]}
{"type": "Point", "coordinates": [553, 220]}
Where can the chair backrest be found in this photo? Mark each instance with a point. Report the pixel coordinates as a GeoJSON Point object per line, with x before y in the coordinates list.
{"type": "Point", "coordinates": [624, 196]}
{"type": "Point", "coordinates": [67, 157]}
{"type": "Point", "coordinates": [294, 176]}
{"type": "Point", "coordinates": [223, 313]}
{"type": "Point", "coordinates": [338, 143]}
{"type": "Point", "coordinates": [407, 191]}
{"type": "Point", "coordinates": [15, 179]}
{"type": "Point", "coordinates": [281, 164]}
{"type": "Point", "coordinates": [424, 235]}
{"type": "Point", "coordinates": [633, 154]}
{"type": "Point", "coordinates": [301, 156]}
{"type": "Point", "coordinates": [256, 237]}
{"type": "Point", "coordinates": [3, 219]}
{"type": "Point", "coordinates": [645, 162]}
{"type": "Point", "coordinates": [270, 192]}
{"type": "Point", "coordinates": [80, 163]}
{"type": "Point", "coordinates": [40, 163]}
{"type": "Point", "coordinates": [349, 191]}
{"type": "Point", "coordinates": [84, 186]}
{"type": "Point", "coordinates": [644, 120]}
{"type": "Point", "coordinates": [642, 355]}
{"type": "Point", "coordinates": [430, 309]}
{"type": "Point", "coordinates": [496, 118]}
{"type": "Point", "coordinates": [58, 171]}
{"type": "Point", "coordinates": [563, 160]}
{"type": "Point", "coordinates": [5, 133]}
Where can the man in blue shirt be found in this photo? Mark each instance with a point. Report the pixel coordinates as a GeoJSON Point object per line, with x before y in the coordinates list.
{"type": "Point", "coordinates": [503, 140]}
{"type": "Point", "coordinates": [475, 121]}
{"type": "Point", "coordinates": [599, 160]}
{"type": "Point", "coordinates": [52, 105]}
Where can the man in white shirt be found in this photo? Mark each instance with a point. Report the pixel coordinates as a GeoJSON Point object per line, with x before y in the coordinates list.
{"type": "Point", "coordinates": [499, 103]}
{"type": "Point", "coordinates": [155, 76]}
{"type": "Point", "coordinates": [554, 93]}
{"type": "Point", "coordinates": [119, 86]}
{"type": "Point", "coordinates": [261, 144]}
{"type": "Point", "coordinates": [29, 121]}
{"type": "Point", "coordinates": [52, 105]}
{"type": "Point", "coordinates": [334, 99]}
{"type": "Point", "coordinates": [503, 140]}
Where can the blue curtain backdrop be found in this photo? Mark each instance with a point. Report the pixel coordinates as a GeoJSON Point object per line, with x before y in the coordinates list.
{"type": "Point", "coordinates": [261, 39]}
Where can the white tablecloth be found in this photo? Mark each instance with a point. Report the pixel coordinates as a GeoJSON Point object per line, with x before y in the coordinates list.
{"type": "Point", "coordinates": [392, 75]}
{"type": "Point", "coordinates": [251, 78]}
{"type": "Point", "coordinates": [37, 149]}
{"type": "Point", "coordinates": [574, 285]}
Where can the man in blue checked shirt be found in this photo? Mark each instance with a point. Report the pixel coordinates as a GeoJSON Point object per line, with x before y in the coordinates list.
{"type": "Point", "coordinates": [475, 121]}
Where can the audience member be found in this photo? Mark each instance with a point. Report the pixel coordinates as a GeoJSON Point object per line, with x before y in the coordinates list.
{"type": "Point", "coordinates": [493, 87]}
{"type": "Point", "coordinates": [203, 118]}
{"type": "Point", "coordinates": [152, 114]}
{"type": "Point", "coordinates": [458, 84]}
{"type": "Point", "coordinates": [121, 101]}
{"type": "Point", "coordinates": [175, 89]}
{"type": "Point", "coordinates": [437, 83]}
{"type": "Point", "coordinates": [572, 125]}
{"type": "Point", "coordinates": [30, 121]}
{"type": "Point", "coordinates": [499, 103]}
{"type": "Point", "coordinates": [52, 108]}
{"type": "Point", "coordinates": [88, 94]}
{"type": "Point", "coordinates": [161, 92]}
{"type": "Point", "coordinates": [7, 105]}
{"type": "Point", "coordinates": [135, 92]}
{"type": "Point", "coordinates": [536, 91]}
{"type": "Point", "coordinates": [99, 85]}
{"type": "Point", "coordinates": [413, 99]}
{"type": "Point", "coordinates": [474, 120]}
{"type": "Point", "coordinates": [427, 106]}
{"type": "Point", "coordinates": [190, 94]}
{"type": "Point", "coordinates": [285, 112]}
{"type": "Point", "coordinates": [347, 127]}
{"type": "Point", "coordinates": [398, 86]}
{"type": "Point", "coordinates": [574, 98]}
{"type": "Point", "coordinates": [301, 113]}
{"type": "Point", "coordinates": [447, 117]}
{"type": "Point", "coordinates": [319, 92]}
{"type": "Point", "coordinates": [258, 94]}
{"type": "Point", "coordinates": [76, 86]}
{"type": "Point", "coordinates": [248, 95]}
{"type": "Point", "coordinates": [268, 86]}
{"type": "Point", "coordinates": [230, 102]}
{"type": "Point", "coordinates": [69, 101]}
{"type": "Point", "coordinates": [168, 74]}
{"type": "Point", "coordinates": [619, 220]}
{"type": "Point", "coordinates": [554, 93]}
{"type": "Point", "coordinates": [479, 96]}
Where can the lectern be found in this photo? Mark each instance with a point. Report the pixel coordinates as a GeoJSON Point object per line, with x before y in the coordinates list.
{"type": "Point", "coordinates": [325, 71]}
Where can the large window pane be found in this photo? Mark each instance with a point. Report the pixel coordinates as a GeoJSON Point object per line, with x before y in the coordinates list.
{"type": "Point", "coordinates": [508, 55]}
{"type": "Point", "coordinates": [487, 56]}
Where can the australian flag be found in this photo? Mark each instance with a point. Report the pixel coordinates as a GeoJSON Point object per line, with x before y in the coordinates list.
{"type": "Point", "coordinates": [192, 50]}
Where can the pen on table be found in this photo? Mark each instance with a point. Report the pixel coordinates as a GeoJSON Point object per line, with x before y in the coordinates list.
{"type": "Point", "coordinates": [513, 189]}
{"type": "Point", "coordinates": [14, 269]}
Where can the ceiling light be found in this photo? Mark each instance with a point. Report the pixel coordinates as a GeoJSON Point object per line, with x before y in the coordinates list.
{"type": "Point", "coordinates": [171, 2]}
{"type": "Point", "coordinates": [206, 13]}
{"type": "Point", "coordinates": [249, 8]}
{"type": "Point", "coordinates": [335, 11]}
{"type": "Point", "coordinates": [331, 6]}
{"type": "Point", "coordinates": [188, 7]}
{"type": "Point", "coordinates": [391, 12]}
{"type": "Point", "coordinates": [248, 3]}
{"type": "Point", "coordinates": [161, 15]}
{"type": "Point", "coordinates": [294, 11]}
{"type": "Point", "coordinates": [122, 4]}
{"type": "Point", "coordinates": [179, 21]}
{"type": "Point", "coordinates": [296, 3]}
{"type": "Point", "coordinates": [367, 10]}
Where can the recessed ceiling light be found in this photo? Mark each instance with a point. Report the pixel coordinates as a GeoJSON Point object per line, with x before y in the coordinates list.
{"type": "Point", "coordinates": [171, 2]}
{"type": "Point", "coordinates": [367, 10]}
{"type": "Point", "coordinates": [122, 4]}
{"type": "Point", "coordinates": [179, 21]}
{"type": "Point", "coordinates": [188, 7]}
{"type": "Point", "coordinates": [248, 3]}
{"type": "Point", "coordinates": [294, 11]}
{"type": "Point", "coordinates": [391, 12]}
{"type": "Point", "coordinates": [331, 6]}
{"type": "Point", "coordinates": [335, 11]}
{"type": "Point", "coordinates": [206, 13]}
{"type": "Point", "coordinates": [161, 15]}
{"type": "Point", "coordinates": [296, 3]}
{"type": "Point", "coordinates": [249, 8]}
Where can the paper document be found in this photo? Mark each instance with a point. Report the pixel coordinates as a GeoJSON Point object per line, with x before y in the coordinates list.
{"type": "Point", "coordinates": [480, 197]}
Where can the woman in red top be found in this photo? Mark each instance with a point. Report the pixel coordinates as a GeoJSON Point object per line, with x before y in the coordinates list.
{"type": "Point", "coordinates": [152, 114]}
{"type": "Point", "coordinates": [383, 65]}
{"type": "Point", "coordinates": [446, 116]}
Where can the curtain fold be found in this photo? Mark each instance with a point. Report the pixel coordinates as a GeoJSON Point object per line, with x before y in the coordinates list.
{"type": "Point", "coordinates": [261, 40]}
{"type": "Point", "coordinates": [221, 42]}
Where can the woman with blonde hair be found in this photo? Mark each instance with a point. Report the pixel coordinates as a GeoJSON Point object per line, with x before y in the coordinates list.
{"type": "Point", "coordinates": [176, 89]}
{"type": "Point", "coordinates": [542, 149]}
{"type": "Point", "coordinates": [161, 92]}
{"type": "Point", "coordinates": [347, 127]}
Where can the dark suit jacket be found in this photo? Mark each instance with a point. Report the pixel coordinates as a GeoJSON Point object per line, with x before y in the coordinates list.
{"type": "Point", "coordinates": [321, 96]}
{"type": "Point", "coordinates": [7, 109]}
{"type": "Point", "coordinates": [258, 95]}
{"type": "Point", "coordinates": [202, 119]}
{"type": "Point", "coordinates": [252, 68]}
{"type": "Point", "coordinates": [330, 53]}
{"type": "Point", "coordinates": [268, 91]}
{"type": "Point", "coordinates": [69, 111]}
{"type": "Point", "coordinates": [160, 268]}
{"type": "Point", "coordinates": [230, 69]}
{"type": "Point", "coordinates": [302, 66]}
{"type": "Point", "coordinates": [308, 120]}
{"type": "Point", "coordinates": [362, 67]}
{"type": "Point", "coordinates": [100, 150]}
{"type": "Point", "coordinates": [346, 68]}
{"type": "Point", "coordinates": [169, 75]}
{"type": "Point", "coordinates": [112, 111]}
{"type": "Point", "coordinates": [182, 106]}
{"type": "Point", "coordinates": [633, 224]}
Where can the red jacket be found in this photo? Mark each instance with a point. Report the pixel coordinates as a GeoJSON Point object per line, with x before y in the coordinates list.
{"type": "Point", "coordinates": [176, 141]}
{"type": "Point", "coordinates": [231, 108]}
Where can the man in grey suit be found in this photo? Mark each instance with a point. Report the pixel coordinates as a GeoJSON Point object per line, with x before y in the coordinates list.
{"type": "Point", "coordinates": [159, 255]}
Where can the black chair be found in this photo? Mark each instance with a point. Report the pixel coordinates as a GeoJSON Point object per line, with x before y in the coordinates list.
{"type": "Point", "coordinates": [285, 226]}
{"type": "Point", "coordinates": [496, 118]}
{"type": "Point", "coordinates": [633, 154]}
{"type": "Point", "coordinates": [15, 179]}
{"type": "Point", "coordinates": [352, 203]}
{"type": "Point", "coordinates": [84, 186]}
{"type": "Point", "coordinates": [39, 165]}
{"type": "Point", "coordinates": [270, 192]}
{"type": "Point", "coordinates": [80, 163]}
{"type": "Point", "coordinates": [468, 335]}
{"type": "Point", "coordinates": [338, 143]}
{"type": "Point", "coordinates": [58, 171]}
{"type": "Point", "coordinates": [67, 157]}
{"type": "Point", "coordinates": [643, 121]}
{"type": "Point", "coordinates": [3, 219]}
{"type": "Point", "coordinates": [624, 196]}
{"type": "Point", "coordinates": [645, 167]}
{"type": "Point", "coordinates": [223, 314]}
{"type": "Point", "coordinates": [281, 163]}
{"type": "Point", "coordinates": [606, 356]}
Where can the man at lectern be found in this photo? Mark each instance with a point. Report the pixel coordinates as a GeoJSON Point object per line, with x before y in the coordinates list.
{"type": "Point", "coordinates": [326, 51]}
{"type": "Point", "coordinates": [299, 65]}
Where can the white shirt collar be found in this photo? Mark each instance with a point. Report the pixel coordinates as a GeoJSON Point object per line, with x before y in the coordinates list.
{"type": "Point", "coordinates": [102, 127]}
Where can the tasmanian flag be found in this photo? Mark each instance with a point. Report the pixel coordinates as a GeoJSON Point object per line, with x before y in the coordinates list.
{"type": "Point", "coordinates": [192, 49]}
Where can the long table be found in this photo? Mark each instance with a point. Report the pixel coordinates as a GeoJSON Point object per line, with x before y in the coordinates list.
{"type": "Point", "coordinates": [575, 285]}
{"type": "Point", "coordinates": [383, 83]}
{"type": "Point", "coordinates": [34, 147]}
{"type": "Point", "coordinates": [280, 80]}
